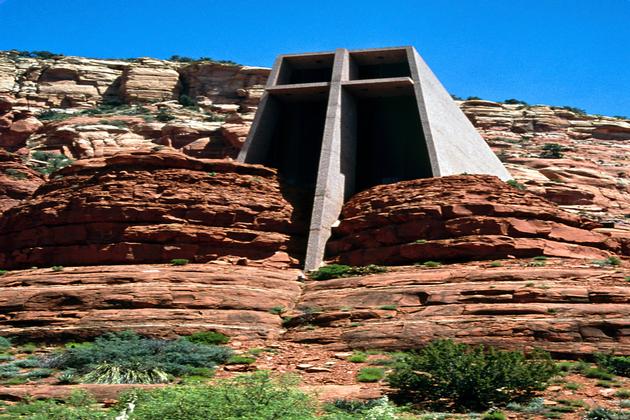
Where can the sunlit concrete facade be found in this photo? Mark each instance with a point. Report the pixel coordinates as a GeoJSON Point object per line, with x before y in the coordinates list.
{"type": "Point", "coordinates": [336, 123]}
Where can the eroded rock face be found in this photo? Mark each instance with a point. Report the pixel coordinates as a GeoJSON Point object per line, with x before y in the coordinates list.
{"type": "Point", "coordinates": [151, 207]}
{"type": "Point", "coordinates": [17, 181]}
{"type": "Point", "coordinates": [565, 310]}
{"type": "Point", "coordinates": [156, 300]}
{"type": "Point", "coordinates": [464, 217]}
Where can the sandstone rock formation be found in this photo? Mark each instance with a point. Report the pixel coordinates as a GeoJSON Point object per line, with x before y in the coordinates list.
{"type": "Point", "coordinates": [17, 181]}
{"type": "Point", "coordinates": [568, 310]}
{"type": "Point", "coordinates": [158, 300]}
{"type": "Point", "coordinates": [465, 217]}
{"type": "Point", "coordinates": [151, 207]}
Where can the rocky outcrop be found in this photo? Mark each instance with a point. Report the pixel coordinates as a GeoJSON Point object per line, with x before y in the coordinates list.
{"type": "Point", "coordinates": [151, 82]}
{"type": "Point", "coordinates": [17, 181]}
{"type": "Point", "coordinates": [15, 125]}
{"type": "Point", "coordinates": [157, 300]}
{"type": "Point", "coordinates": [568, 310]}
{"type": "Point", "coordinates": [592, 175]}
{"type": "Point", "coordinates": [464, 217]}
{"type": "Point", "coordinates": [152, 207]}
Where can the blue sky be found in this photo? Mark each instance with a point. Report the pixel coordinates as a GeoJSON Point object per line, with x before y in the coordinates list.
{"type": "Point", "coordinates": [559, 52]}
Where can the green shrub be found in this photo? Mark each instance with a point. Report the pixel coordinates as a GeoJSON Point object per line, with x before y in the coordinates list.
{"type": "Point", "coordinates": [597, 373]}
{"type": "Point", "coordinates": [351, 406]}
{"type": "Point", "coordinates": [493, 415]}
{"type": "Point", "coordinates": [334, 271]}
{"type": "Point", "coordinates": [164, 116]}
{"type": "Point", "coordinates": [601, 413]}
{"type": "Point", "coordinates": [127, 350]}
{"type": "Point", "coordinates": [431, 264]}
{"type": "Point", "coordinates": [257, 396]}
{"type": "Point", "coordinates": [186, 101]}
{"type": "Point", "coordinates": [15, 174]}
{"type": "Point", "coordinates": [67, 377]}
{"type": "Point", "coordinates": [610, 261]}
{"type": "Point", "coordinates": [53, 116]}
{"type": "Point", "coordinates": [8, 370]}
{"type": "Point", "coordinates": [80, 406]}
{"type": "Point", "coordinates": [27, 363]}
{"type": "Point", "coordinates": [515, 102]}
{"type": "Point", "coordinates": [370, 374]}
{"type": "Point", "coordinates": [515, 184]}
{"type": "Point", "coordinates": [110, 373]}
{"type": "Point", "coordinates": [4, 357]}
{"type": "Point", "coordinates": [496, 264]}
{"type": "Point", "coordinates": [388, 307]}
{"type": "Point", "coordinates": [57, 268]}
{"type": "Point", "coordinates": [208, 338]}
{"type": "Point", "coordinates": [39, 373]}
{"type": "Point", "coordinates": [623, 393]}
{"type": "Point", "coordinates": [5, 343]}
{"type": "Point", "coordinates": [552, 151]}
{"type": "Point", "coordinates": [28, 348]}
{"type": "Point", "coordinates": [47, 162]}
{"type": "Point", "coordinates": [445, 374]}
{"type": "Point", "coordinates": [277, 310]}
{"type": "Point", "coordinates": [619, 365]}
{"type": "Point", "coordinates": [238, 359]}
{"type": "Point", "coordinates": [179, 261]}
{"type": "Point", "coordinates": [357, 357]}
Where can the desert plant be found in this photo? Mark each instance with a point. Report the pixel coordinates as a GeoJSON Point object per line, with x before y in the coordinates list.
{"type": "Point", "coordinates": [179, 261]}
{"type": "Point", "coordinates": [239, 359]}
{"type": "Point", "coordinates": [53, 116]}
{"type": "Point", "coordinates": [333, 271]}
{"type": "Point", "coordinates": [357, 357]}
{"type": "Point", "coordinates": [79, 406]}
{"type": "Point", "coordinates": [130, 351]}
{"type": "Point", "coordinates": [8, 370]}
{"type": "Point", "coordinates": [15, 174]}
{"type": "Point", "coordinates": [47, 162]}
{"type": "Point", "coordinates": [370, 374]}
{"type": "Point", "coordinates": [5, 343]}
{"type": "Point", "coordinates": [208, 338]}
{"type": "Point", "coordinates": [600, 413]}
{"type": "Point", "coordinates": [39, 373]}
{"type": "Point", "coordinates": [515, 184]}
{"type": "Point", "coordinates": [164, 116]}
{"type": "Point", "coordinates": [610, 261]}
{"type": "Point", "coordinates": [619, 365]}
{"type": "Point", "coordinates": [432, 264]}
{"type": "Point", "coordinates": [515, 102]}
{"type": "Point", "coordinates": [57, 268]}
{"type": "Point", "coordinates": [597, 373]}
{"type": "Point", "coordinates": [277, 310]}
{"type": "Point", "coordinates": [457, 376]}
{"type": "Point", "coordinates": [493, 415]}
{"type": "Point", "coordinates": [110, 373]}
{"type": "Point", "coordinates": [552, 151]}
{"type": "Point", "coordinates": [257, 396]}
{"type": "Point", "coordinates": [31, 362]}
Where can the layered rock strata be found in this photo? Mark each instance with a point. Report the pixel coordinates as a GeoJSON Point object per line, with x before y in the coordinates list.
{"type": "Point", "coordinates": [17, 181]}
{"type": "Point", "coordinates": [464, 217]}
{"type": "Point", "coordinates": [157, 300]}
{"type": "Point", "coordinates": [571, 310]}
{"type": "Point", "coordinates": [150, 208]}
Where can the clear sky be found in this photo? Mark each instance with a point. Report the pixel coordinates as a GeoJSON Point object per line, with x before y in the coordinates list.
{"type": "Point", "coordinates": [558, 52]}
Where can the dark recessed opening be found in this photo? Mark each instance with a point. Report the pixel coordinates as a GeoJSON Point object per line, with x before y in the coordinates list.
{"type": "Point", "coordinates": [390, 142]}
{"type": "Point", "coordinates": [306, 69]}
{"type": "Point", "coordinates": [296, 139]}
{"type": "Point", "coordinates": [370, 65]}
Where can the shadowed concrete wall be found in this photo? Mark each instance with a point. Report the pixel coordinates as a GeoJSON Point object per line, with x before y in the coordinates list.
{"type": "Point", "coordinates": [375, 98]}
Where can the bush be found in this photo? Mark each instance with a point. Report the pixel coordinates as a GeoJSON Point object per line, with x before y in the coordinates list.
{"type": "Point", "coordinates": [619, 365]}
{"type": "Point", "coordinates": [257, 396]}
{"type": "Point", "coordinates": [8, 370]}
{"type": "Point", "coordinates": [370, 374]}
{"type": "Point", "coordinates": [15, 174]}
{"type": "Point", "coordinates": [208, 338]}
{"type": "Point", "coordinates": [53, 116]}
{"type": "Point", "coordinates": [179, 261]}
{"type": "Point", "coordinates": [552, 151]}
{"type": "Point", "coordinates": [432, 264]}
{"type": "Point", "coordinates": [601, 413]}
{"type": "Point", "coordinates": [47, 162]}
{"type": "Point", "coordinates": [164, 116]}
{"type": "Point", "coordinates": [610, 261]}
{"type": "Point", "coordinates": [79, 406]}
{"type": "Point", "coordinates": [597, 373]}
{"type": "Point", "coordinates": [457, 376]}
{"type": "Point", "coordinates": [110, 373]}
{"type": "Point", "coordinates": [277, 310]}
{"type": "Point", "coordinates": [515, 184]}
{"type": "Point", "coordinates": [357, 357]}
{"type": "Point", "coordinates": [5, 343]}
{"type": "Point", "coordinates": [493, 415]}
{"type": "Point", "coordinates": [127, 350]}
{"type": "Point", "coordinates": [238, 359]}
{"type": "Point", "coordinates": [515, 102]}
{"type": "Point", "coordinates": [334, 271]}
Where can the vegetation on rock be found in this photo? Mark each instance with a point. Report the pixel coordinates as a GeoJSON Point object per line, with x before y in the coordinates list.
{"type": "Point", "coordinates": [334, 271]}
